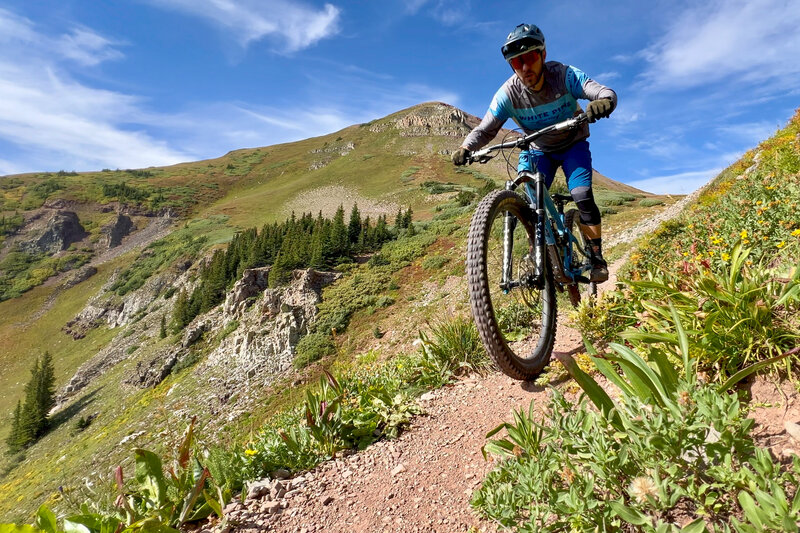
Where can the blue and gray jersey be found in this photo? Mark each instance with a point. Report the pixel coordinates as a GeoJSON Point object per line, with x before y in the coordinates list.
{"type": "Point", "coordinates": [555, 102]}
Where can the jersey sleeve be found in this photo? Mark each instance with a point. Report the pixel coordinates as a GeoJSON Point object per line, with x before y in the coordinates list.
{"type": "Point", "coordinates": [582, 86]}
{"type": "Point", "coordinates": [492, 121]}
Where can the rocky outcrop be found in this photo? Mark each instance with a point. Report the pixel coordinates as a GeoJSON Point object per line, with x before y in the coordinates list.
{"type": "Point", "coordinates": [151, 373]}
{"type": "Point", "coordinates": [269, 327]}
{"type": "Point", "coordinates": [113, 233]}
{"type": "Point", "coordinates": [79, 276]}
{"type": "Point", "coordinates": [434, 119]}
{"type": "Point", "coordinates": [61, 229]}
{"type": "Point", "coordinates": [252, 284]}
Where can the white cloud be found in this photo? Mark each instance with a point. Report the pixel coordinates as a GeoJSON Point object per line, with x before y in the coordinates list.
{"type": "Point", "coordinates": [727, 41]}
{"type": "Point", "coordinates": [82, 45]}
{"type": "Point", "coordinates": [86, 47]}
{"type": "Point", "coordinates": [296, 25]}
{"type": "Point", "coordinates": [55, 122]}
{"type": "Point", "coordinates": [682, 183]}
{"type": "Point", "coordinates": [606, 76]}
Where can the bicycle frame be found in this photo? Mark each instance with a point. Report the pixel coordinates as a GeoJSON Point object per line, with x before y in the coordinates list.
{"type": "Point", "coordinates": [553, 237]}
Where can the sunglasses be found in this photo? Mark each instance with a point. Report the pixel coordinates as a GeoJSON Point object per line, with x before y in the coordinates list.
{"type": "Point", "coordinates": [528, 57]}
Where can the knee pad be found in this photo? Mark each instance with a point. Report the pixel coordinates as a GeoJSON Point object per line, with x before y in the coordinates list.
{"type": "Point", "coordinates": [584, 198]}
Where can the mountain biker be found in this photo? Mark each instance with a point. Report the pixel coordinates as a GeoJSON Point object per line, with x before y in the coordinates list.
{"type": "Point", "coordinates": [537, 95]}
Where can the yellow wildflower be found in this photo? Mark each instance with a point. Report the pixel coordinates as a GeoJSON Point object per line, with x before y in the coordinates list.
{"type": "Point", "coordinates": [250, 453]}
{"type": "Point", "coordinates": [758, 202]}
{"type": "Point", "coordinates": [743, 234]}
{"type": "Point", "coordinates": [796, 233]}
{"type": "Point", "coordinates": [685, 254]}
{"type": "Point", "coordinates": [725, 256]}
{"type": "Point", "coordinates": [711, 253]}
{"type": "Point", "coordinates": [781, 244]}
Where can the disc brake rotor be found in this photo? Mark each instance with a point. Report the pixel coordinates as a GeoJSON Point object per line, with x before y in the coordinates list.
{"type": "Point", "coordinates": [528, 292]}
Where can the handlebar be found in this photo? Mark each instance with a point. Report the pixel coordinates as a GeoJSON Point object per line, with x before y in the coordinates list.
{"type": "Point", "coordinates": [484, 155]}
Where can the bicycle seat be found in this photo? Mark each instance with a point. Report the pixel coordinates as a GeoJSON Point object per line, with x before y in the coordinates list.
{"type": "Point", "coordinates": [562, 198]}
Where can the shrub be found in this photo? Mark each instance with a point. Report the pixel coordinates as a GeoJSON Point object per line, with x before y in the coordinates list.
{"type": "Point", "coordinates": [464, 198]}
{"type": "Point", "coordinates": [311, 348]}
{"type": "Point", "coordinates": [455, 349]}
{"type": "Point", "coordinates": [650, 202]}
{"type": "Point", "coordinates": [434, 262]}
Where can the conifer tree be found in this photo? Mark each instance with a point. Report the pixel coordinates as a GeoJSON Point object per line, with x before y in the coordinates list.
{"type": "Point", "coordinates": [398, 220]}
{"type": "Point", "coordinates": [280, 271]}
{"type": "Point", "coordinates": [180, 315]}
{"type": "Point", "coordinates": [407, 219]}
{"type": "Point", "coordinates": [339, 237]}
{"type": "Point", "coordinates": [162, 334]}
{"type": "Point", "coordinates": [15, 440]}
{"type": "Point", "coordinates": [354, 227]}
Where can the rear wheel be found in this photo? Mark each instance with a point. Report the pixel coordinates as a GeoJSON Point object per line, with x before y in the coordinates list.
{"type": "Point", "coordinates": [580, 257]}
{"type": "Point", "coordinates": [517, 323]}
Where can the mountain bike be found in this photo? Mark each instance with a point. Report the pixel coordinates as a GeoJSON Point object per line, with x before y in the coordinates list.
{"type": "Point", "coordinates": [522, 248]}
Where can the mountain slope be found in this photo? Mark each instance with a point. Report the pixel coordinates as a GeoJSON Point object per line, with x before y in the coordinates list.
{"type": "Point", "coordinates": [392, 162]}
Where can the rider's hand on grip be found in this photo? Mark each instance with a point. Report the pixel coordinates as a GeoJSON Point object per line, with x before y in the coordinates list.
{"type": "Point", "coordinates": [598, 109]}
{"type": "Point", "coordinates": [461, 156]}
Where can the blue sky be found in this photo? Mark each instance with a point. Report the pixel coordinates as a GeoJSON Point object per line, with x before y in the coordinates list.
{"type": "Point", "coordinates": [88, 84]}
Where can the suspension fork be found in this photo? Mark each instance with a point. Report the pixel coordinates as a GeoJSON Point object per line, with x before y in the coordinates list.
{"type": "Point", "coordinates": [539, 245]}
{"type": "Point", "coordinates": [509, 225]}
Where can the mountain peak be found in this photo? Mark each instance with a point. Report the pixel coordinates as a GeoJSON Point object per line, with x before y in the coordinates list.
{"type": "Point", "coordinates": [428, 118]}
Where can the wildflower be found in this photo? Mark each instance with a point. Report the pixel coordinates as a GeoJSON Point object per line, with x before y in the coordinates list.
{"type": "Point", "coordinates": [642, 488]}
{"type": "Point", "coordinates": [725, 256]}
{"type": "Point", "coordinates": [685, 254]}
{"type": "Point", "coordinates": [796, 233]}
{"type": "Point", "coordinates": [781, 244]}
{"type": "Point", "coordinates": [716, 240]}
{"type": "Point", "coordinates": [568, 475]}
{"type": "Point", "coordinates": [758, 202]}
{"type": "Point", "coordinates": [743, 234]}
{"type": "Point", "coordinates": [250, 453]}
{"type": "Point", "coordinates": [711, 253]}
{"type": "Point", "coordinates": [684, 398]}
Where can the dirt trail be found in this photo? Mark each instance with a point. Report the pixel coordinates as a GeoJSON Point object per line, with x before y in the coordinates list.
{"type": "Point", "coordinates": [422, 481]}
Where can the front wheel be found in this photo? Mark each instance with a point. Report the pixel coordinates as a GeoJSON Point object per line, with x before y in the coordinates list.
{"type": "Point", "coordinates": [580, 257]}
{"type": "Point", "coordinates": [516, 316]}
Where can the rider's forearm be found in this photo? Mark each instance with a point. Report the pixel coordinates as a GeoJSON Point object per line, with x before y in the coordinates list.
{"type": "Point", "coordinates": [485, 132]}
{"type": "Point", "coordinates": [595, 91]}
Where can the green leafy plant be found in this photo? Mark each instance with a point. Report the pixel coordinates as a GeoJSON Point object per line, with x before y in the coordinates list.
{"type": "Point", "coordinates": [455, 349]}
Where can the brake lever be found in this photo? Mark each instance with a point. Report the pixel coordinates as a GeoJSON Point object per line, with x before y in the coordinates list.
{"type": "Point", "coordinates": [484, 158]}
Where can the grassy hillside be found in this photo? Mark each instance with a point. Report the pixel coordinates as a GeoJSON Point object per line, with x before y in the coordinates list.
{"type": "Point", "coordinates": [385, 168]}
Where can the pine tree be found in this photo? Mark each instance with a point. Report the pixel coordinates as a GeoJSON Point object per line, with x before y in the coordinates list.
{"type": "Point", "coordinates": [398, 220]}
{"type": "Point", "coordinates": [180, 314]}
{"type": "Point", "coordinates": [14, 440]}
{"type": "Point", "coordinates": [45, 389]}
{"type": "Point", "coordinates": [162, 334]}
{"type": "Point", "coordinates": [339, 239]}
{"type": "Point", "coordinates": [354, 227]}
{"type": "Point", "coordinates": [407, 218]}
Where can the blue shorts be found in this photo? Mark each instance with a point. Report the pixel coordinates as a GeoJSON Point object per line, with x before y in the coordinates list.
{"type": "Point", "coordinates": [576, 161]}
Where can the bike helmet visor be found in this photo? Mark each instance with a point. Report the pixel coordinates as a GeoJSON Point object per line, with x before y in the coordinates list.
{"type": "Point", "coordinates": [517, 48]}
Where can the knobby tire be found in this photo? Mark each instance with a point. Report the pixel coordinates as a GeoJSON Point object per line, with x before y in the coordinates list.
{"type": "Point", "coordinates": [484, 293]}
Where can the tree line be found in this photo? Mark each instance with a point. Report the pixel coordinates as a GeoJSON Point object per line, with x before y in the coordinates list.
{"type": "Point", "coordinates": [31, 419]}
{"type": "Point", "coordinates": [308, 241]}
